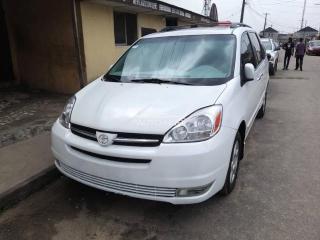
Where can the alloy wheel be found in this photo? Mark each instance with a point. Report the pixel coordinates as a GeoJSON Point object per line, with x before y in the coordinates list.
{"type": "Point", "coordinates": [234, 162]}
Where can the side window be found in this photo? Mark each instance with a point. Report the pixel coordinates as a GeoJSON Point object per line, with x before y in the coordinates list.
{"type": "Point", "coordinates": [258, 50]}
{"type": "Point", "coordinates": [263, 50]}
{"type": "Point", "coordinates": [247, 55]}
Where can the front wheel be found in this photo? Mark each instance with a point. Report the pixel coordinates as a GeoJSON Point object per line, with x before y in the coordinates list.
{"type": "Point", "coordinates": [272, 70]}
{"type": "Point", "coordinates": [276, 66]}
{"type": "Point", "coordinates": [232, 173]}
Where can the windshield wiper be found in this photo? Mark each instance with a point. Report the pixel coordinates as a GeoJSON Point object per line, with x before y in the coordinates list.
{"type": "Point", "coordinates": [159, 81]}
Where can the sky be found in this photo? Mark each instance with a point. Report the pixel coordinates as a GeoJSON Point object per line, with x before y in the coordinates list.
{"type": "Point", "coordinates": [284, 15]}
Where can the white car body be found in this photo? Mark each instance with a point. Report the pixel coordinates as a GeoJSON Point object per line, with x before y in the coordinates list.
{"type": "Point", "coordinates": [153, 109]}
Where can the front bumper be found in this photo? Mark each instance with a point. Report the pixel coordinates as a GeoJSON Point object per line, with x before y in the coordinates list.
{"type": "Point", "coordinates": [315, 52]}
{"type": "Point", "coordinates": [172, 166]}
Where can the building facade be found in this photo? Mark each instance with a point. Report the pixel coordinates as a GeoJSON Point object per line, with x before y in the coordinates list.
{"type": "Point", "coordinates": [62, 45]}
{"type": "Point", "coordinates": [307, 33]}
{"type": "Point", "coordinates": [270, 33]}
{"type": "Point", "coordinates": [284, 37]}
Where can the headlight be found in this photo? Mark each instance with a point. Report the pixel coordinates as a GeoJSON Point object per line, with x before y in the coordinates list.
{"type": "Point", "coordinates": [199, 126]}
{"type": "Point", "coordinates": [65, 116]}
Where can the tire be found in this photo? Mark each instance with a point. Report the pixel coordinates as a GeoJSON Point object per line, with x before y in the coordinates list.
{"type": "Point", "coordinates": [272, 70]}
{"type": "Point", "coordinates": [262, 109]}
{"type": "Point", "coordinates": [233, 169]}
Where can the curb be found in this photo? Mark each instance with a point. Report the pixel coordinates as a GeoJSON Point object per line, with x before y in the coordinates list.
{"type": "Point", "coordinates": [24, 189]}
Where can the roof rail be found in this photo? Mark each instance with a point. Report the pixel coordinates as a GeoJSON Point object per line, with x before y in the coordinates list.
{"type": "Point", "coordinates": [174, 28]}
{"type": "Point", "coordinates": [236, 25]}
{"type": "Point", "coordinates": [216, 24]}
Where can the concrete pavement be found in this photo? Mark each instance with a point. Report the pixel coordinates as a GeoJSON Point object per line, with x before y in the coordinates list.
{"type": "Point", "coordinates": [277, 195]}
{"type": "Point", "coordinates": [26, 161]}
{"type": "Point", "coordinates": [25, 167]}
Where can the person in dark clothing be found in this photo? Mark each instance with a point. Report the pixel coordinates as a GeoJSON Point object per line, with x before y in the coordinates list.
{"type": "Point", "coordinates": [289, 50]}
{"type": "Point", "coordinates": [300, 51]}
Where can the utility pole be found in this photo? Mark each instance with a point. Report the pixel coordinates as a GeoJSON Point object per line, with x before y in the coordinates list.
{"type": "Point", "coordinates": [303, 13]}
{"type": "Point", "coordinates": [242, 10]}
{"type": "Point", "coordinates": [206, 7]}
{"type": "Point", "coordinates": [265, 22]}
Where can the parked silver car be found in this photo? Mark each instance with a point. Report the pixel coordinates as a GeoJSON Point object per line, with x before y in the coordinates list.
{"type": "Point", "coordinates": [272, 49]}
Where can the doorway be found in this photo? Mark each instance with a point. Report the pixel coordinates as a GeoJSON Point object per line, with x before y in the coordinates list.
{"type": "Point", "coordinates": [6, 73]}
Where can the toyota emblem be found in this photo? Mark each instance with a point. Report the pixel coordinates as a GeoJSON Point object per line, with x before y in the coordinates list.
{"type": "Point", "coordinates": [105, 139]}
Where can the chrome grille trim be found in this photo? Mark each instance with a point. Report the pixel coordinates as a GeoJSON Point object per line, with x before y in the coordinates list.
{"type": "Point", "coordinates": [93, 136]}
{"type": "Point", "coordinates": [135, 140]}
{"type": "Point", "coordinates": [119, 186]}
{"type": "Point", "coordinates": [125, 139]}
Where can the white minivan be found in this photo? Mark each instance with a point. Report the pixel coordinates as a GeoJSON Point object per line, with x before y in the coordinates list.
{"type": "Point", "coordinates": [169, 120]}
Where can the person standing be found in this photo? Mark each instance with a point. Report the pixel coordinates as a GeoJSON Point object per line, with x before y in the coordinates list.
{"type": "Point", "coordinates": [289, 50]}
{"type": "Point", "coordinates": [300, 51]}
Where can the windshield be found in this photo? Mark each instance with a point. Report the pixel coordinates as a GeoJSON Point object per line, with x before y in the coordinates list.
{"type": "Point", "coordinates": [195, 60]}
{"type": "Point", "coordinates": [315, 44]}
{"type": "Point", "coordinates": [267, 45]}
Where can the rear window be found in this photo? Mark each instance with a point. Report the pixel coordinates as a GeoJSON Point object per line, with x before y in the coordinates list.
{"type": "Point", "coordinates": [315, 44]}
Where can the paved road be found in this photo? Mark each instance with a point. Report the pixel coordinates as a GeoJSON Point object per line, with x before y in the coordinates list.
{"type": "Point", "coordinates": [277, 196]}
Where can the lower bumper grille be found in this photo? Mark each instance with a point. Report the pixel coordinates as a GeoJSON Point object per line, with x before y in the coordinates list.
{"type": "Point", "coordinates": [119, 186]}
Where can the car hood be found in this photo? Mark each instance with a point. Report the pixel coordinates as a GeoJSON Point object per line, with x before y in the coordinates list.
{"type": "Point", "coordinates": [139, 107]}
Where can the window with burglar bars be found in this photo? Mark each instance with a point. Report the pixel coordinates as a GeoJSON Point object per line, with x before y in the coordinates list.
{"type": "Point", "coordinates": [125, 28]}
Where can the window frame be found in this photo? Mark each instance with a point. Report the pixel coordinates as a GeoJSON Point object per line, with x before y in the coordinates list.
{"type": "Point", "coordinates": [246, 33]}
{"type": "Point", "coordinates": [262, 54]}
{"type": "Point", "coordinates": [253, 50]}
{"type": "Point", "coordinates": [256, 55]}
{"type": "Point", "coordinates": [125, 15]}
{"type": "Point", "coordinates": [114, 29]}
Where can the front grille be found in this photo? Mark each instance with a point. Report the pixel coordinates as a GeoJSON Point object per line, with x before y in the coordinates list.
{"type": "Point", "coordinates": [110, 158]}
{"type": "Point", "coordinates": [123, 139]}
{"type": "Point", "coordinates": [119, 186]}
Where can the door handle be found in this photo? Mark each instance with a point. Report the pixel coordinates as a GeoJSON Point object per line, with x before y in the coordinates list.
{"type": "Point", "coordinates": [259, 78]}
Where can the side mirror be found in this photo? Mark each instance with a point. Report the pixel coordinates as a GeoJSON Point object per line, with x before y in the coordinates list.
{"type": "Point", "coordinates": [249, 71]}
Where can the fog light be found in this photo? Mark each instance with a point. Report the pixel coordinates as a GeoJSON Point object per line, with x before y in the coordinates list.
{"type": "Point", "coordinates": [191, 192]}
